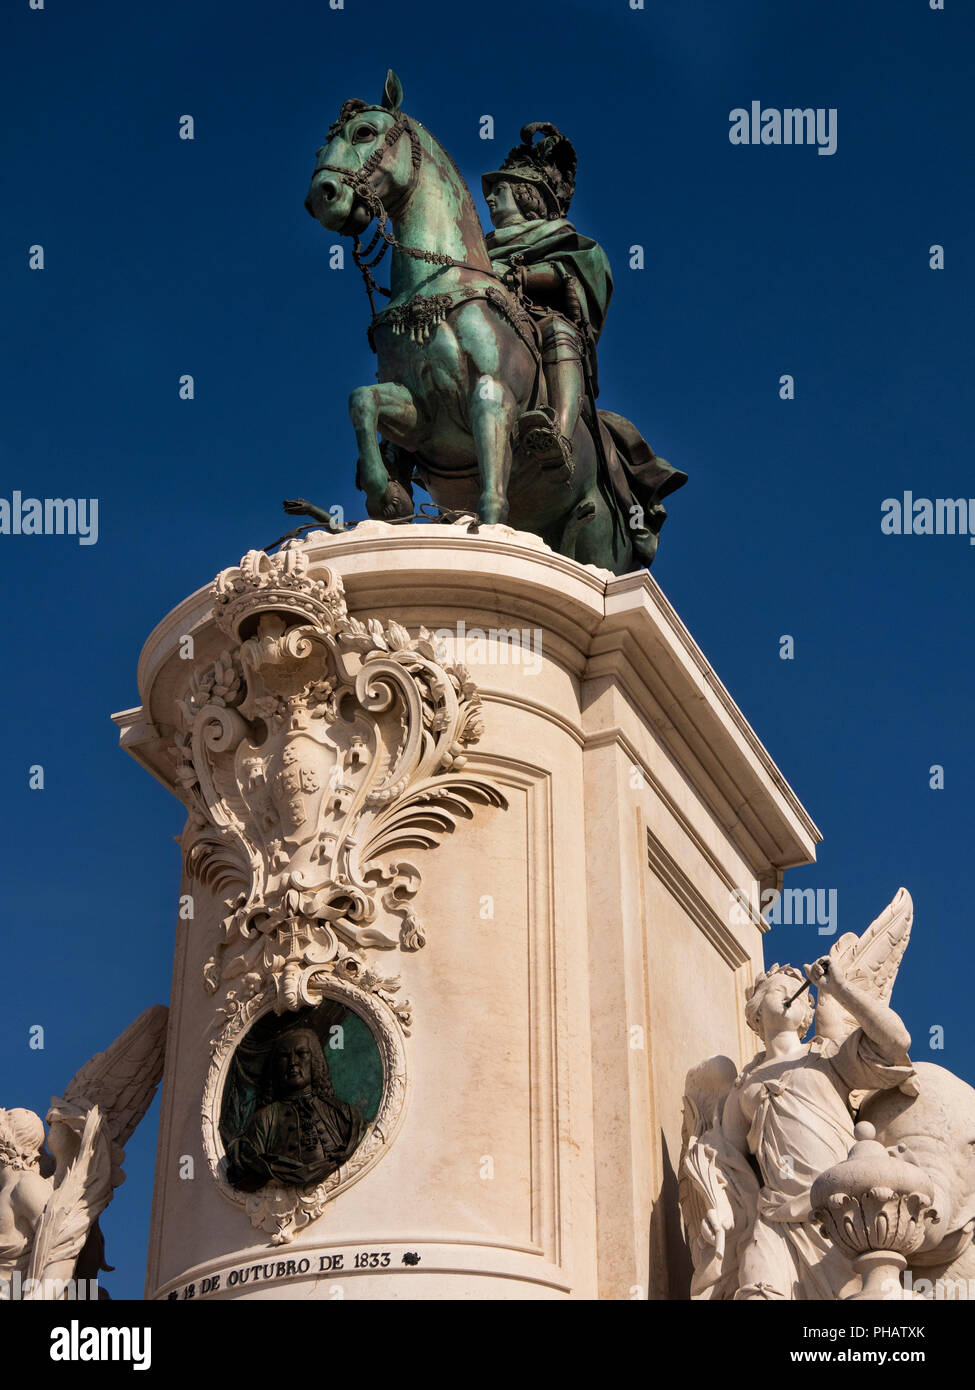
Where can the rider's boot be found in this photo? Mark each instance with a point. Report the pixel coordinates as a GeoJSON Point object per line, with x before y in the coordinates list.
{"type": "Point", "coordinates": [541, 440]}
{"type": "Point", "coordinates": [546, 433]}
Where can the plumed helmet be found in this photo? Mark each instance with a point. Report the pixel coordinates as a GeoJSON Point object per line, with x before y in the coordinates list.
{"type": "Point", "coordinates": [549, 166]}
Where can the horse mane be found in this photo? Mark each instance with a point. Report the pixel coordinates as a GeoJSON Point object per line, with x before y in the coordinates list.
{"type": "Point", "coordinates": [470, 221]}
{"type": "Point", "coordinates": [449, 158]}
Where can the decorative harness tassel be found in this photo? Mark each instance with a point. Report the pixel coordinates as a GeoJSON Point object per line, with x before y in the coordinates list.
{"type": "Point", "coordinates": [419, 316]}
{"type": "Point", "coordinates": [423, 313]}
{"type": "Point", "coordinates": [408, 317]}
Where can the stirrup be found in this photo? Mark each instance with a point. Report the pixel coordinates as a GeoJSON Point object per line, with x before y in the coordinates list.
{"type": "Point", "coordinates": [542, 442]}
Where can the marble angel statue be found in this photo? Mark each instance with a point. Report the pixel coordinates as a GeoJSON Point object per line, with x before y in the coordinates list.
{"type": "Point", "coordinates": [754, 1143]}
{"type": "Point", "coordinates": [50, 1202]}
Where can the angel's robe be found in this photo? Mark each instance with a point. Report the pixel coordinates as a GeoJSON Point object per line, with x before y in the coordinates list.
{"type": "Point", "coordinates": [294, 1142]}
{"type": "Point", "coordinates": [801, 1125]}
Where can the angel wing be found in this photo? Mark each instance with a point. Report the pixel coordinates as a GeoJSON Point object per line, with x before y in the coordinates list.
{"type": "Point", "coordinates": [717, 1189]}
{"type": "Point", "coordinates": [84, 1191]}
{"type": "Point", "coordinates": [89, 1127]}
{"type": "Point", "coordinates": [870, 962]}
{"type": "Point", "coordinates": [121, 1081]}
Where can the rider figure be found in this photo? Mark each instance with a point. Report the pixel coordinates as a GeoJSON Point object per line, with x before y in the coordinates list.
{"type": "Point", "coordinates": [565, 277]}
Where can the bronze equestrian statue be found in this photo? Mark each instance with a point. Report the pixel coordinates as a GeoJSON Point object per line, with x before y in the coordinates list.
{"type": "Point", "coordinates": [487, 381]}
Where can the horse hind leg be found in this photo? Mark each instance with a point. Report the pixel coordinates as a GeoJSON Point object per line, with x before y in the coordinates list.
{"type": "Point", "coordinates": [592, 536]}
{"type": "Point", "coordinates": [391, 409]}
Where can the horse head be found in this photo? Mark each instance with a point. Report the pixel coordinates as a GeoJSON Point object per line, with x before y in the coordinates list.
{"type": "Point", "coordinates": [364, 166]}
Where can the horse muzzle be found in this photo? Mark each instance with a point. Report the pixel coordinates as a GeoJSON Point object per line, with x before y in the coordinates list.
{"type": "Point", "coordinates": [330, 200]}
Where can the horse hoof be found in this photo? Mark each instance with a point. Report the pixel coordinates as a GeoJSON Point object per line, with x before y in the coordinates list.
{"type": "Point", "coordinates": [492, 514]}
{"type": "Point", "coordinates": [394, 505]}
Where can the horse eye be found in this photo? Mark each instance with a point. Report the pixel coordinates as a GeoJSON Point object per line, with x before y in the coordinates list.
{"type": "Point", "coordinates": [364, 132]}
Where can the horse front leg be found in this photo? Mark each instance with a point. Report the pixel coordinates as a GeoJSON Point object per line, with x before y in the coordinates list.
{"type": "Point", "coordinates": [493, 412]}
{"type": "Point", "coordinates": [391, 409]}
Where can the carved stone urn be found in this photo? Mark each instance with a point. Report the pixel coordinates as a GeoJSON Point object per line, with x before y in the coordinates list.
{"type": "Point", "coordinates": [875, 1208]}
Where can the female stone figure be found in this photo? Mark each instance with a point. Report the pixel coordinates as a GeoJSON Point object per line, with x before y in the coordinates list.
{"type": "Point", "coordinates": [24, 1192]}
{"type": "Point", "coordinates": [754, 1145]}
{"type": "Point", "coordinates": [50, 1202]}
{"type": "Point", "coordinates": [790, 1110]}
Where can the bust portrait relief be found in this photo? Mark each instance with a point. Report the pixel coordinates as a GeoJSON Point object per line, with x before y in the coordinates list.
{"type": "Point", "coordinates": [294, 1110]}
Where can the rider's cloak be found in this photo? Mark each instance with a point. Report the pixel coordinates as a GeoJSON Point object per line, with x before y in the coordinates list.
{"type": "Point", "coordinates": [638, 479]}
{"type": "Point", "coordinates": [557, 241]}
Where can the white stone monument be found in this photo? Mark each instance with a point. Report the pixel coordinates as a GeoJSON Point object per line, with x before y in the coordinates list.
{"type": "Point", "coordinates": [479, 814]}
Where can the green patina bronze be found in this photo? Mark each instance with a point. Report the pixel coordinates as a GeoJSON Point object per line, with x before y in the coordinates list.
{"type": "Point", "coordinates": [295, 1107]}
{"type": "Point", "coordinates": [487, 373]}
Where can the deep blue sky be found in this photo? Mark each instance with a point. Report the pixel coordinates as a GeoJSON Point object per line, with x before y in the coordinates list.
{"type": "Point", "coordinates": [165, 257]}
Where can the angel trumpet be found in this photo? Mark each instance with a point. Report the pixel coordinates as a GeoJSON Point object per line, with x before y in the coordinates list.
{"type": "Point", "coordinates": [802, 988]}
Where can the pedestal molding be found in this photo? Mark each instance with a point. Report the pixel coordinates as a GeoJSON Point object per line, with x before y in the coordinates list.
{"type": "Point", "coordinates": [623, 627]}
{"type": "Point", "coordinates": [694, 903]}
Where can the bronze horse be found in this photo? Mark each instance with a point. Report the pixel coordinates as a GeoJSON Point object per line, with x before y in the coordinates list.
{"type": "Point", "coordinates": [458, 357]}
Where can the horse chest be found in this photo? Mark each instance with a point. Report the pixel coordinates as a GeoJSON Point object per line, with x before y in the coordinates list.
{"type": "Point", "coordinates": [437, 376]}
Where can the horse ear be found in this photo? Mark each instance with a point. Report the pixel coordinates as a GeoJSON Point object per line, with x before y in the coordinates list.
{"type": "Point", "coordinates": [392, 92]}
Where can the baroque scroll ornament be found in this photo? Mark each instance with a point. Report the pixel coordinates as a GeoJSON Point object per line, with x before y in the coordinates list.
{"type": "Point", "coordinates": [315, 750]}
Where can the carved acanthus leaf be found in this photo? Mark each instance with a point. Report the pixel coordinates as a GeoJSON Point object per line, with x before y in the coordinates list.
{"type": "Point", "coordinates": [316, 746]}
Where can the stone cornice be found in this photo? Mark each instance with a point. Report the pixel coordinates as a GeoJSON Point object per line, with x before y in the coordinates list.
{"type": "Point", "coordinates": [595, 625]}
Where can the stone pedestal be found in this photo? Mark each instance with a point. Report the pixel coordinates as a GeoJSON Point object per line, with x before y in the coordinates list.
{"type": "Point", "coordinates": [578, 949]}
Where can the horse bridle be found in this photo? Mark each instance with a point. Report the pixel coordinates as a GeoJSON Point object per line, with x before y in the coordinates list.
{"type": "Point", "coordinates": [358, 181]}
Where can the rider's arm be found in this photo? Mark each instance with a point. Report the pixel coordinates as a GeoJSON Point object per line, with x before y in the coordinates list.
{"type": "Point", "coordinates": [541, 279]}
